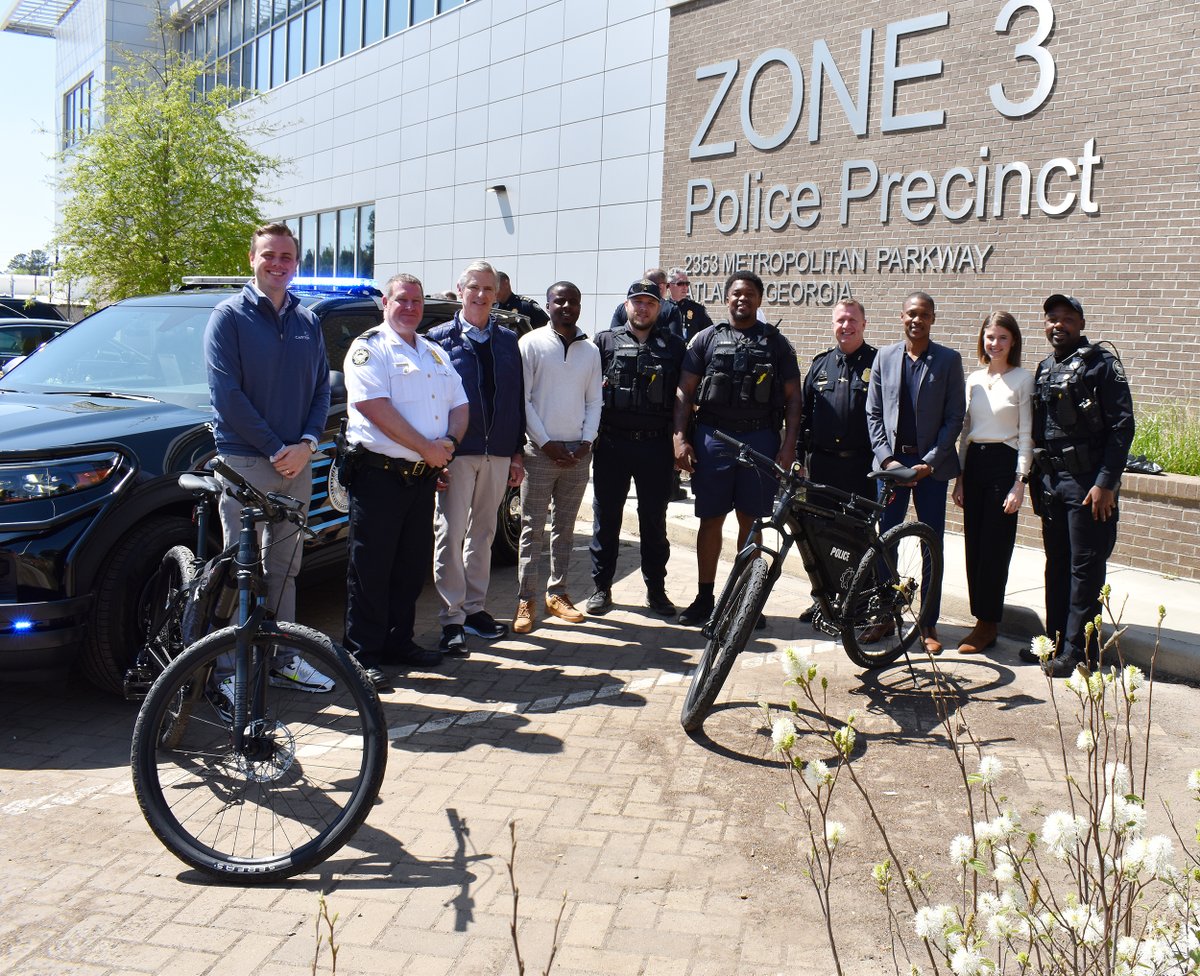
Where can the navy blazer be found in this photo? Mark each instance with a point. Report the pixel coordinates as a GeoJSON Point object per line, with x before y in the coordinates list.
{"type": "Point", "coordinates": [941, 405]}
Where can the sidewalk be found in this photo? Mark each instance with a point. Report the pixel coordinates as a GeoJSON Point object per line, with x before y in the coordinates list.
{"type": "Point", "coordinates": [1136, 594]}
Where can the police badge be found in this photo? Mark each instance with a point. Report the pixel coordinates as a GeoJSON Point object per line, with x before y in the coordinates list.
{"type": "Point", "coordinates": [360, 356]}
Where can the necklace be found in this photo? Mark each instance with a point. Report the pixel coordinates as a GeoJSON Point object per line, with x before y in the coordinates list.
{"type": "Point", "coordinates": [994, 378]}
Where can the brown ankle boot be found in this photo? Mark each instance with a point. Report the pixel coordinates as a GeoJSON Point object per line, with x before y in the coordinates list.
{"type": "Point", "coordinates": [981, 637]}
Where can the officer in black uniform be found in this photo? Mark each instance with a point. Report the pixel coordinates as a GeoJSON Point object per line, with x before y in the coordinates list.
{"type": "Point", "coordinates": [834, 438]}
{"type": "Point", "coordinates": [518, 303]}
{"type": "Point", "coordinates": [695, 316]}
{"type": "Point", "coordinates": [1082, 431]}
{"type": "Point", "coordinates": [669, 316]}
{"type": "Point", "coordinates": [743, 376]}
{"type": "Point", "coordinates": [641, 363]}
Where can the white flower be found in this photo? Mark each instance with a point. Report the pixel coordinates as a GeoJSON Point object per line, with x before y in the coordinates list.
{"type": "Point", "coordinates": [967, 961]}
{"type": "Point", "coordinates": [931, 923]}
{"type": "Point", "coordinates": [1134, 679]}
{"type": "Point", "coordinates": [962, 849]}
{"type": "Point", "coordinates": [1061, 833]}
{"type": "Point", "coordinates": [798, 665]}
{"type": "Point", "coordinates": [1116, 777]}
{"type": "Point", "coordinates": [783, 734]}
{"type": "Point", "coordinates": [990, 768]}
{"type": "Point", "coordinates": [1042, 647]}
{"type": "Point", "coordinates": [817, 774]}
{"type": "Point", "coordinates": [1084, 924]}
{"type": "Point", "coordinates": [1122, 815]}
{"type": "Point", "coordinates": [1156, 855]}
{"type": "Point", "coordinates": [1085, 741]}
{"type": "Point", "coordinates": [1193, 782]}
{"type": "Point", "coordinates": [1004, 872]}
{"type": "Point", "coordinates": [1000, 927]}
{"type": "Point", "coordinates": [835, 831]}
{"type": "Point", "coordinates": [843, 738]}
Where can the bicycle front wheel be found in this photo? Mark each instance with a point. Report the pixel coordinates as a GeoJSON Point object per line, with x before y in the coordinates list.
{"type": "Point", "coordinates": [303, 781]}
{"type": "Point", "coordinates": [731, 627]}
{"type": "Point", "coordinates": [890, 598]}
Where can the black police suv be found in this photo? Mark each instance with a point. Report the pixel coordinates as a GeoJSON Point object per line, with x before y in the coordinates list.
{"type": "Point", "coordinates": [95, 428]}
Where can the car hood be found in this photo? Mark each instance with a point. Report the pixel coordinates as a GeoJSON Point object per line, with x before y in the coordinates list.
{"type": "Point", "coordinates": [41, 422]}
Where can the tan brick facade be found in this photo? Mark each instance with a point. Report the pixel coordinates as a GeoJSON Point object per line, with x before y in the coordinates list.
{"type": "Point", "coordinates": [1125, 76]}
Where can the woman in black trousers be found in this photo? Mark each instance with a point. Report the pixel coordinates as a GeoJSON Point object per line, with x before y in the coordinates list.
{"type": "Point", "coordinates": [995, 451]}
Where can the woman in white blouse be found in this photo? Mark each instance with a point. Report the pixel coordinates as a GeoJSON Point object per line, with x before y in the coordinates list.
{"type": "Point", "coordinates": [995, 451]}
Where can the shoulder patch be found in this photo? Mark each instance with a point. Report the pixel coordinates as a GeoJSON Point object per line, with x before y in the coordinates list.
{"type": "Point", "coordinates": [360, 356]}
{"type": "Point", "coordinates": [1118, 369]}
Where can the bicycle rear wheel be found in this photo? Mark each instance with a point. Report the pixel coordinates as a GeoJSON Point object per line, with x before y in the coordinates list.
{"type": "Point", "coordinates": [305, 780]}
{"type": "Point", "coordinates": [731, 628]}
{"type": "Point", "coordinates": [160, 609]}
{"type": "Point", "coordinates": [890, 597]}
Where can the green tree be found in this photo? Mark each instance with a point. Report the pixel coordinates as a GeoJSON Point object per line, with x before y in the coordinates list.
{"type": "Point", "coordinates": [36, 262]}
{"type": "Point", "coordinates": [165, 186]}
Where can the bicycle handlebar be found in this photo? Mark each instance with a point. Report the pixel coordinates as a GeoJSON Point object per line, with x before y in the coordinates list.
{"type": "Point", "coordinates": [275, 505]}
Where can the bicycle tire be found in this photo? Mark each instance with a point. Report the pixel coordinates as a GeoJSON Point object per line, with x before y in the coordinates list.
{"type": "Point", "coordinates": [882, 619]}
{"type": "Point", "coordinates": [161, 609]}
{"type": "Point", "coordinates": [291, 799]}
{"type": "Point", "coordinates": [731, 628]}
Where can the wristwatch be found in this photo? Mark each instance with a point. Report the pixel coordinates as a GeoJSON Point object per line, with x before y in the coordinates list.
{"type": "Point", "coordinates": [453, 440]}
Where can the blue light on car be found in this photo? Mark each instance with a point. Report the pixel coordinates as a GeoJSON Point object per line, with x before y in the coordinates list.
{"type": "Point", "coordinates": [336, 286]}
{"type": "Point", "coordinates": [22, 624]}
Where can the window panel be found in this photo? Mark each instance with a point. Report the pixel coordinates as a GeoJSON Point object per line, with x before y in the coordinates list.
{"type": "Point", "coordinates": [347, 241]}
{"type": "Point", "coordinates": [279, 56]}
{"type": "Point", "coordinates": [235, 25]}
{"type": "Point", "coordinates": [421, 10]}
{"type": "Point", "coordinates": [223, 30]}
{"type": "Point", "coordinates": [445, 5]}
{"type": "Point", "coordinates": [295, 61]}
{"type": "Point", "coordinates": [248, 67]}
{"type": "Point", "coordinates": [331, 29]}
{"type": "Point", "coordinates": [366, 242]}
{"type": "Point", "coordinates": [308, 244]}
{"type": "Point", "coordinates": [312, 38]}
{"type": "Point", "coordinates": [373, 12]}
{"type": "Point", "coordinates": [326, 242]}
{"type": "Point", "coordinates": [397, 15]}
{"type": "Point", "coordinates": [264, 63]}
{"type": "Point", "coordinates": [351, 26]}
{"type": "Point", "coordinates": [235, 69]}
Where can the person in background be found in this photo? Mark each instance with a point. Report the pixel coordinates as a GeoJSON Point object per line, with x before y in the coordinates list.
{"type": "Point", "coordinates": [562, 416]}
{"type": "Point", "coordinates": [506, 299]}
{"type": "Point", "coordinates": [995, 452]}
{"type": "Point", "coordinates": [695, 316]}
{"type": "Point", "coordinates": [1082, 431]}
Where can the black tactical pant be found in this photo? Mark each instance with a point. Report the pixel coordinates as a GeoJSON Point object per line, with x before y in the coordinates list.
{"type": "Point", "coordinates": [1077, 550]}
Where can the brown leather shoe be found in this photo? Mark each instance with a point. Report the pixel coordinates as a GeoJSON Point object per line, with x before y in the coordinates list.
{"type": "Point", "coordinates": [877, 632]}
{"type": "Point", "coordinates": [560, 605]}
{"type": "Point", "coordinates": [523, 618]}
{"type": "Point", "coordinates": [929, 638]}
{"type": "Point", "coordinates": [981, 637]}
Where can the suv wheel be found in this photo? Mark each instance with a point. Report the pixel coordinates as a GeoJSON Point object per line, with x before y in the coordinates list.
{"type": "Point", "coordinates": [114, 632]}
{"type": "Point", "coordinates": [508, 529]}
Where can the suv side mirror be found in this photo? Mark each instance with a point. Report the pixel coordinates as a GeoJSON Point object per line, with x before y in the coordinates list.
{"type": "Point", "coordinates": [337, 386]}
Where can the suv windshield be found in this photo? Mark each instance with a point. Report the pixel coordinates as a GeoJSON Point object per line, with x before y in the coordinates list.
{"type": "Point", "coordinates": [136, 349]}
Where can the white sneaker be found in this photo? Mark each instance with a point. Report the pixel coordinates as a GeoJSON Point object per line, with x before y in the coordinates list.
{"type": "Point", "coordinates": [300, 675]}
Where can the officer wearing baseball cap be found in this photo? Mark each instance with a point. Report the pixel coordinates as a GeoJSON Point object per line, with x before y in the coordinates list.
{"type": "Point", "coordinates": [640, 362]}
{"type": "Point", "coordinates": [1082, 431]}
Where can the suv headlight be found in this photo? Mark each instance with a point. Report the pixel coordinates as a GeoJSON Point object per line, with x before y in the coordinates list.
{"type": "Point", "coordinates": [23, 481]}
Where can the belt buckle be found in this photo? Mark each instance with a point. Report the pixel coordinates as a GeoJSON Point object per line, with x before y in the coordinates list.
{"type": "Point", "coordinates": [419, 468]}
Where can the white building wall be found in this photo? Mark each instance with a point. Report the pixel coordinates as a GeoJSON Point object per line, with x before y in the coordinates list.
{"type": "Point", "coordinates": [560, 101]}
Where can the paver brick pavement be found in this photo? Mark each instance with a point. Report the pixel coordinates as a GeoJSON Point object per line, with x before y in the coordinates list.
{"type": "Point", "coordinates": [673, 851]}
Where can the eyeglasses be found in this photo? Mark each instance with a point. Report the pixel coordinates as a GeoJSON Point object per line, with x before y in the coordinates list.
{"type": "Point", "coordinates": [673, 283]}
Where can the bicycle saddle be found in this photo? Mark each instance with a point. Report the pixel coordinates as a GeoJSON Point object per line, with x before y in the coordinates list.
{"type": "Point", "coordinates": [896, 475]}
{"type": "Point", "coordinates": [199, 482]}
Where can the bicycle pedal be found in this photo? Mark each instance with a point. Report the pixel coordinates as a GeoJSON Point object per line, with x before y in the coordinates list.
{"type": "Point", "coordinates": [137, 683]}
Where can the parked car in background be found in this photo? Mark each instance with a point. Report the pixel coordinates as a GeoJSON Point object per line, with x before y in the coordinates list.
{"type": "Point", "coordinates": [25, 308]}
{"type": "Point", "coordinates": [19, 337]}
{"type": "Point", "coordinates": [95, 429]}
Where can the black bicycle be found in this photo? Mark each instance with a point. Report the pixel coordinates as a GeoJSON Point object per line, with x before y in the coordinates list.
{"type": "Point", "coordinates": [871, 591]}
{"type": "Point", "coordinates": [240, 770]}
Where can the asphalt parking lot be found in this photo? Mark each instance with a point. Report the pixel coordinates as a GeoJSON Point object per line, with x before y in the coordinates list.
{"type": "Point", "coordinates": [674, 853]}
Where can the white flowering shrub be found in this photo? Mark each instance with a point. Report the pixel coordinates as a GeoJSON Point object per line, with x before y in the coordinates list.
{"type": "Point", "coordinates": [1080, 890]}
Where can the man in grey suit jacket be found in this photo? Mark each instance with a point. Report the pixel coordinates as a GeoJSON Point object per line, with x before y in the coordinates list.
{"type": "Point", "coordinates": [915, 405]}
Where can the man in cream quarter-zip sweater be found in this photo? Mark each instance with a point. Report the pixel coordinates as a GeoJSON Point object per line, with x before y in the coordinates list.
{"type": "Point", "coordinates": [562, 416]}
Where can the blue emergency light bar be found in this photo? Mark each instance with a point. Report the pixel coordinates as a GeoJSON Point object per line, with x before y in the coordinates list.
{"type": "Point", "coordinates": [337, 286]}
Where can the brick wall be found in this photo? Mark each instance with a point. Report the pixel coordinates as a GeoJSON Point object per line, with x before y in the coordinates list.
{"type": "Point", "coordinates": [1126, 76]}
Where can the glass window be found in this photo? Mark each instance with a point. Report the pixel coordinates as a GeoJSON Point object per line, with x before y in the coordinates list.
{"type": "Point", "coordinates": [279, 56]}
{"type": "Point", "coordinates": [223, 30]}
{"type": "Point", "coordinates": [235, 70]}
{"type": "Point", "coordinates": [352, 26]}
{"type": "Point", "coordinates": [280, 11]}
{"type": "Point", "coordinates": [326, 242]}
{"type": "Point", "coordinates": [312, 38]}
{"type": "Point", "coordinates": [347, 241]}
{"type": "Point", "coordinates": [308, 244]}
{"type": "Point", "coordinates": [248, 67]}
{"type": "Point", "coordinates": [264, 63]}
{"type": "Point", "coordinates": [422, 10]}
{"type": "Point", "coordinates": [250, 19]}
{"type": "Point", "coordinates": [397, 15]}
{"type": "Point", "coordinates": [210, 40]}
{"type": "Point", "coordinates": [373, 11]}
{"type": "Point", "coordinates": [448, 5]}
{"type": "Point", "coordinates": [366, 242]}
{"type": "Point", "coordinates": [235, 24]}
{"type": "Point", "coordinates": [331, 28]}
{"type": "Point", "coordinates": [295, 61]}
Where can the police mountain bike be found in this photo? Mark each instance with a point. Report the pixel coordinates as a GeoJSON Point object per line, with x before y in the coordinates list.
{"type": "Point", "coordinates": [872, 591]}
{"type": "Point", "coordinates": [240, 773]}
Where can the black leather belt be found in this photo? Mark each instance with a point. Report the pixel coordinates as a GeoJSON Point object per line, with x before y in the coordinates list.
{"type": "Point", "coordinates": [401, 466]}
{"type": "Point", "coordinates": [907, 449]}
{"type": "Point", "coordinates": [635, 435]}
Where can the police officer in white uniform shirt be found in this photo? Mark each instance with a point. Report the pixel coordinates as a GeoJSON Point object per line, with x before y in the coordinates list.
{"type": "Point", "coordinates": [406, 412]}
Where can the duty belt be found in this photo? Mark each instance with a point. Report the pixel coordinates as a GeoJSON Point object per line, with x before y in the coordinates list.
{"type": "Point", "coordinates": [401, 466]}
{"type": "Point", "coordinates": [734, 426]}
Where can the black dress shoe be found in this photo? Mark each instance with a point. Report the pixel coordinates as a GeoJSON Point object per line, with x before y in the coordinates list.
{"type": "Point", "coordinates": [454, 641]}
{"type": "Point", "coordinates": [379, 680]}
{"type": "Point", "coordinates": [415, 656]}
{"type": "Point", "coordinates": [660, 603]}
{"type": "Point", "coordinates": [1062, 664]}
{"type": "Point", "coordinates": [696, 614]}
{"type": "Point", "coordinates": [806, 616]}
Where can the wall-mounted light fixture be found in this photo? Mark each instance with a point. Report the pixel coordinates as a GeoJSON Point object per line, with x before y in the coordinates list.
{"type": "Point", "coordinates": [498, 188]}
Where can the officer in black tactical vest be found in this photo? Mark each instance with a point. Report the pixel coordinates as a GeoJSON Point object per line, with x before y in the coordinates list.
{"type": "Point", "coordinates": [834, 438]}
{"type": "Point", "coordinates": [518, 303]}
{"type": "Point", "coordinates": [641, 363]}
{"type": "Point", "coordinates": [1082, 432]}
{"type": "Point", "coordinates": [743, 377]}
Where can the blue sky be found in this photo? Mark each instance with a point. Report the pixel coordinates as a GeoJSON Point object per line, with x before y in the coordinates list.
{"type": "Point", "coordinates": [26, 106]}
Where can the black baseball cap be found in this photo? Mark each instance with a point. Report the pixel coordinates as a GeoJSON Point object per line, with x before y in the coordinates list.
{"type": "Point", "coordinates": [1053, 300]}
{"type": "Point", "coordinates": [644, 287]}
